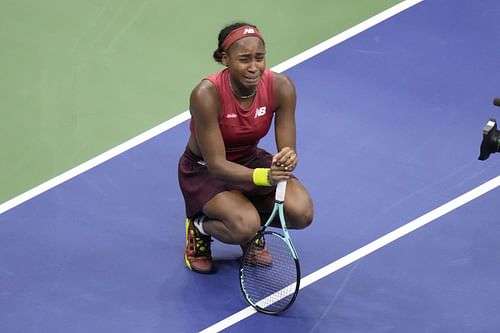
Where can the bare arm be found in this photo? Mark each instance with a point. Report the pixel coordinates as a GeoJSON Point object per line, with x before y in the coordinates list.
{"type": "Point", "coordinates": [285, 131]}
{"type": "Point", "coordinates": [205, 108]}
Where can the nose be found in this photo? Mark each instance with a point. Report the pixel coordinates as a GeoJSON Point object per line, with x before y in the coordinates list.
{"type": "Point", "coordinates": [252, 66]}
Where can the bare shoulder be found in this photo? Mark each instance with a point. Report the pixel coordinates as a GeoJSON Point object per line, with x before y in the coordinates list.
{"type": "Point", "coordinates": [204, 98]}
{"type": "Point", "coordinates": [203, 90]}
{"type": "Point", "coordinates": [282, 81]}
{"type": "Point", "coordinates": [284, 88]}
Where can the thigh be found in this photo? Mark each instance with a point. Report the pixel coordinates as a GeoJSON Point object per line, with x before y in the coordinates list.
{"type": "Point", "coordinates": [299, 208]}
{"type": "Point", "coordinates": [233, 209]}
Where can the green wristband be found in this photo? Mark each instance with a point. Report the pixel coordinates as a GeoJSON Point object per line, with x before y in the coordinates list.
{"type": "Point", "coordinates": [261, 176]}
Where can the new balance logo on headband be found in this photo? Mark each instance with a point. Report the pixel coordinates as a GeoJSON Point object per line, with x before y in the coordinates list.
{"type": "Point", "coordinates": [239, 33]}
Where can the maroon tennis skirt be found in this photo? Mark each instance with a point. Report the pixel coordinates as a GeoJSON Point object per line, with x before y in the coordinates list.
{"type": "Point", "coordinates": [198, 186]}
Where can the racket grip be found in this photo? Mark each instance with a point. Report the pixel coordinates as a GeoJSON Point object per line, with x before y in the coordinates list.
{"type": "Point", "coordinates": [280, 191]}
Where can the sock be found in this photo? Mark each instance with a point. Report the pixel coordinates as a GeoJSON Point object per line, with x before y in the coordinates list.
{"type": "Point", "coordinates": [198, 223]}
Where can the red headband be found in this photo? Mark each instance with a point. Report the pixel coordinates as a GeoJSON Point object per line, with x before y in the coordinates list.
{"type": "Point", "coordinates": [241, 32]}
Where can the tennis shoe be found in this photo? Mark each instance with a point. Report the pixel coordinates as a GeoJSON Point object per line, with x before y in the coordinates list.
{"type": "Point", "coordinates": [259, 254]}
{"type": "Point", "coordinates": [197, 255]}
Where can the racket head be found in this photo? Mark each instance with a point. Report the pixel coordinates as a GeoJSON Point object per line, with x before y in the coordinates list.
{"type": "Point", "coordinates": [270, 273]}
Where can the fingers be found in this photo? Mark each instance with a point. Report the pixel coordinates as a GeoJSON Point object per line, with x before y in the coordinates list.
{"type": "Point", "coordinates": [280, 170]}
{"type": "Point", "coordinates": [286, 159]}
{"type": "Point", "coordinates": [277, 174]}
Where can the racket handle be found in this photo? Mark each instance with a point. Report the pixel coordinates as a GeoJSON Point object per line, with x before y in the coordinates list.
{"type": "Point", "coordinates": [280, 191]}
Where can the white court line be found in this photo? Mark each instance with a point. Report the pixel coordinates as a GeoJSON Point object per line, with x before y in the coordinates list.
{"type": "Point", "coordinates": [370, 248]}
{"type": "Point", "coordinates": [141, 138]}
{"type": "Point", "coordinates": [229, 321]}
{"type": "Point", "coordinates": [94, 162]}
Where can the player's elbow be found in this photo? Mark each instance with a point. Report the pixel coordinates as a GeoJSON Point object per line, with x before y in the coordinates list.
{"type": "Point", "coordinates": [217, 169]}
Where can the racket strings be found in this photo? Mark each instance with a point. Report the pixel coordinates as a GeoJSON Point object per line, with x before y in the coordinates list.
{"type": "Point", "coordinates": [269, 273]}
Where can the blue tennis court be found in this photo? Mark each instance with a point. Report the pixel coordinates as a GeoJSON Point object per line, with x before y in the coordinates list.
{"type": "Point", "coordinates": [389, 127]}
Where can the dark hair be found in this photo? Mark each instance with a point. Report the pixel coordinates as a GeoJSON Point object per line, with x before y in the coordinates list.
{"type": "Point", "coordinates": [223, 34]}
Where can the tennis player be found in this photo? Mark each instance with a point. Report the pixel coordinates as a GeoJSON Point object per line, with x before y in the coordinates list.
{"type": "Point", "coordinates": [227, 181]}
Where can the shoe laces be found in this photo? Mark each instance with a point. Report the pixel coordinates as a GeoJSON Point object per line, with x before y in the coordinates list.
{"type": "Point", "coordinates": [202, 244]}
{"type": "Point", "coordinates": [260, 242]}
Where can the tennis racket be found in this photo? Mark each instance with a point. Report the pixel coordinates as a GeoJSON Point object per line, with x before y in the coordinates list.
{"type": "Point", "coordinates": [270, 270]}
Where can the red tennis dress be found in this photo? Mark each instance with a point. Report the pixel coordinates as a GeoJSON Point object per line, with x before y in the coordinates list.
{"type": "Point", "coordinates": [241, 130]}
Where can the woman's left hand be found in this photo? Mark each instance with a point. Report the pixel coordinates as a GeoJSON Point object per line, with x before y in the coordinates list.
{"type": "Point", "coordinates": [286, 159]}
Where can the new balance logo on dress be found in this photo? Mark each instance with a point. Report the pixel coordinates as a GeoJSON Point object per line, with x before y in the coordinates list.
{"type": "Point", "coordinates": [232, 115]}
{"type": "Point", "coordinates": [259, 112]}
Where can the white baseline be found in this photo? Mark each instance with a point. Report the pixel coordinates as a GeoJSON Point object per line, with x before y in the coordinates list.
{"type": "Point", "coordinates": [370, 247]}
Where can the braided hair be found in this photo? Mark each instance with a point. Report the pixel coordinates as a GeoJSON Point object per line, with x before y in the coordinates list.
{"type": "Point", "coordinates": [217, 55]}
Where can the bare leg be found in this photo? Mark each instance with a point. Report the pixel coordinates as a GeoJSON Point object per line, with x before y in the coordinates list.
{"type": "Point", "coordinates": [299, 209]}
{"type": "Point", "coordinates": [231, 218]}
{"type": "Point", "coordinates": [234, 219]}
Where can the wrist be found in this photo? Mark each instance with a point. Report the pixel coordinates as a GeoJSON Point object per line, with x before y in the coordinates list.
{"type": "Point", "coordinates": [270, 178]}
{"type": "Point", "coordinates": [262, 177]}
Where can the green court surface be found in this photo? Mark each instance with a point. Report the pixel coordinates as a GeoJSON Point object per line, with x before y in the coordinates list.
{"type": "Point", "coordinates": [80, 77]}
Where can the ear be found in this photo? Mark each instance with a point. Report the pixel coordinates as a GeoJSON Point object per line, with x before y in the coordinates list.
{"type": "Point", "coordinates": [224, 59]}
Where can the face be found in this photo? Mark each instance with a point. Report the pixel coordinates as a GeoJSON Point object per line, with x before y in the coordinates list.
{"type": "Point", "coordinates": [246, 62]}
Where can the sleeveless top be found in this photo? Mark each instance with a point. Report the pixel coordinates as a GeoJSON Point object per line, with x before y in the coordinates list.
{"type": "Point", "coordinates": [242, 128]}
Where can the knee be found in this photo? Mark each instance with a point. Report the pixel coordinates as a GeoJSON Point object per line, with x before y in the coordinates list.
{"type": "Point", "coordinates": [244, 228]}
{"type": "Point", "coordinates": [299, 206]}
{"type": "Point", "coordinates": [306, 218]}
{"type": "Point", "coordinates": [303, 218]}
